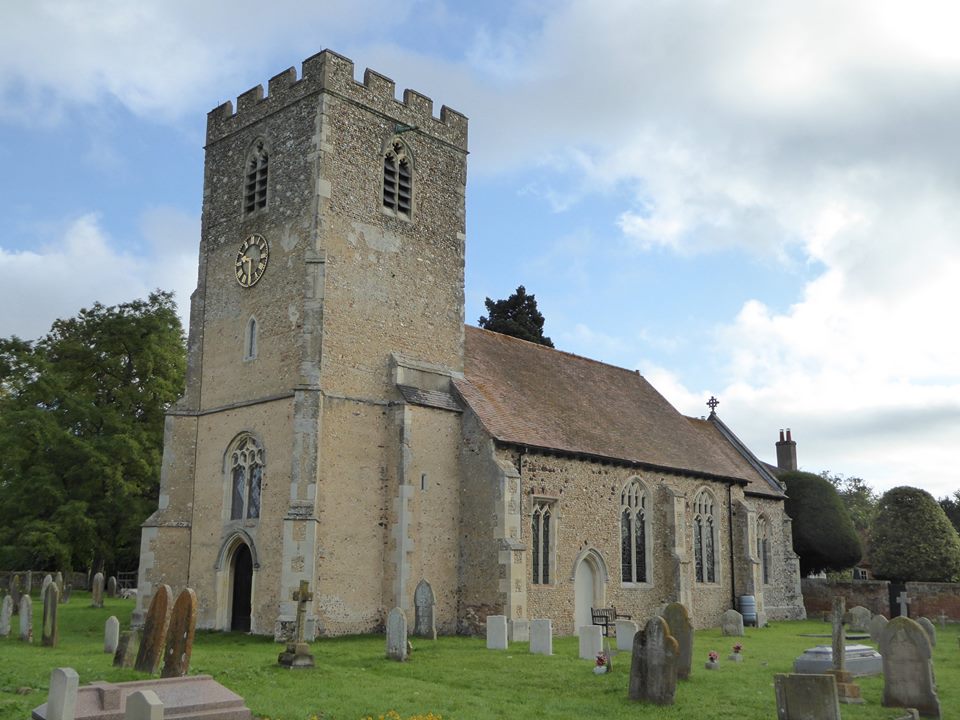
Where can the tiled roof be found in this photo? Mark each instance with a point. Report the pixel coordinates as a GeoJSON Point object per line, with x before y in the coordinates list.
{"type": "Point", "coordinates": [531, 395]}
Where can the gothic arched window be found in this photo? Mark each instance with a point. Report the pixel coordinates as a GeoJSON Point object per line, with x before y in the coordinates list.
{"type": "Point", "coordinates": [246, 478]}
{"type": "Point", "coordinates": [763, 549]}
{"type": "Point", "coordinates": [542, 531]}
{"type": "Point", "coordinates": [397, 179]}
{"type": "Point", "coordinates": [634, 531]}
{"type": "Point", "coordinates": [705, 537]}
{"type": "Point", "coordinates": [250, 340]}
{"type": "Point", "coordinates": [255, 178]}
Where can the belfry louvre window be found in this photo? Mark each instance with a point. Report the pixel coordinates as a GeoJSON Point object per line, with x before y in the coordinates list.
{"type": "Point", "coordinates": [397, 180]}
{"type": "Point", "coordinates": [255, 182]}
{"type": "Point", "coordinates": [541, 533]}
{"type": "Point", "coordinates": [633, 533]}
{"type": "Point", "coordinates": [704, 538]}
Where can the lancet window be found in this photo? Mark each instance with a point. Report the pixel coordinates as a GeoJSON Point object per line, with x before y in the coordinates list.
{"type": "Point", "coordinates": [543, 530]}
{"type": "Point", "coordinates": [705, 537]}
{"type": "Point", "coordinates": [763, 549]}
{"type": "Point", "coordinates": [634, 531]}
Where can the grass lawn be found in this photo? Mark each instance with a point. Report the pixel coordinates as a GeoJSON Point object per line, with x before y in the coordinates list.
{"type": "Point", "coordinates": [454, 677]}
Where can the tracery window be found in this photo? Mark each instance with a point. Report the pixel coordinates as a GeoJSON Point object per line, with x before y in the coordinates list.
{"type": "Point", "coordinates": [246, 477]}
{"type": "Point", "coordinates": [255, 180]}
{"type": "Point", "coordinates": [397, 179]}
{"type": "Point", "coordinates": [763, 549]}
{"type": "Point", "coordinates": [542, 531]}
{"type": "Point", "coordinates": [634, 530]}
{"type": "Point", "coordinates": [705, 537]}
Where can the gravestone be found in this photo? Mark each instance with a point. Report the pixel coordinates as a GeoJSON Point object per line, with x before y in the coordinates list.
{"type": "Point", "coordinates": [519, 631]}
{"type": "Point", "coordinates": [15, 593]}
{"type": "Point", "coordinates": [6, 612]}
{"type": "Point", "coordinates": [112, 587]}
{"type": "Point", "coordinates": [496, 632]}
{"type": "Point", "coordinates": [143, 705]}
{"type": "Point", "coordinates": [681, 629]}
{"type": "Point", "coordinates": [424, 624]}
{"type": "Point", "coordinates": [541, 636]}
{"type": "Point", "coordinates": [806, 697]}
{"type": "Point", "coordinates": [47, 579]}
{"type": "Point", "coordinates": [859, 618]}
{"type": "Point", "coordinates": [877, 624]}
{"type": "Point", "coordinates": [297, 655]}
{"type": "Point", "coordinates": [731, 623]}
{"type": "Point", "coordinates": [111, 635]}
{"type": "Point", "coordinates": [127, 646]}
{"type": "Point", "coordinates": [847, 690]}
{"type": "Point", "coordinates": [28, 582]}
{"type": "Point", "coordinates": [62, 696]}
{"type": "Point", "coordinates": [183, 624]}
{"type": "Point", "coordinates": [51, 599]}
{"type": "Point", "coordinates": [67, 591]}
{"type": "Point", "coordinates": [26, 618]}
{"type": "Point", "coordinates": [154, 629]}
{"type": "Point", "coordinates": [58, 579]}
{"type": "Point", "coordinates": [653, 670]}
{"type": "Point", "coordinates": [397, 635]}
{"type": "Point", "coordinates": [591, 642]}
{"type": "Point", "coordinates": [626, 629]}
{"type": "Point", "coordinates": [931, 631]}
{"type": "Point", "coordinates": [96, 591]}
{"type": "Point", "coordinates": [908, 668]}
{"type": "Point", "coordinates": [859, 661]}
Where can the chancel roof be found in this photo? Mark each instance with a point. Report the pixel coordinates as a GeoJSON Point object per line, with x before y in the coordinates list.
{"type": "Point", "coordinates": [534, 396]}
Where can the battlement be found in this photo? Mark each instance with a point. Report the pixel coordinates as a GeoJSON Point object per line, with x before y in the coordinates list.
{"type": "Point", "coordinates": [333, 73]}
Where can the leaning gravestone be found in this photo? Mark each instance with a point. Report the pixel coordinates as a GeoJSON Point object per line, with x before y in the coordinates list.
{"type": "Point", "coordinates": [183, 624]}
{"type": "Point", "coordinates": [111, 635]}
{"type": "Point", "coordinates": [908, 668]}
{"type": "Point", "coordinates": [112, 587]}
{"type": "Point", "coordinates": [731, 623]}
{"type": "Point", "coordinates": [423, 600]}
{"type": "Point", "coordinates": [496, 632]}
{"type": "Point", "coordinates": [626, 629]}
{"type": "Point", "coordinates": [877, 624]}
{"type": "Point", "coordinates": [653, 671]}
{"type": "Point", "coordinates": [929, 628]}
{"type": "Point", "coordinates": [51, 599]}
{"type": "Point", "coordinates": [858, 618]}
{"type": "Point", "coordinates": [541, 636]}
{"type": "Point", "coordinates": [591, 642]}
{"type": "Point", "coordinates": [397, 635]}
{"type": "Point", "coordinates": [97, 591]}
{"type": "Point", "coordinates": [681, 629]}
{"type": "Point", "coordinates": [806, 697]}
{"type": "Point", "coordinates": [126, 649]}
{"type": "Point", "coordinates": [26, 618]}
{"type": "Point", "coordinates": [154, 630]}
{"type": "Point", "coordinates": [6, 612]}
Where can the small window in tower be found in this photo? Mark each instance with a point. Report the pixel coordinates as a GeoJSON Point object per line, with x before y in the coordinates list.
{"type": "Point", "coordinates": [255, 180]}
{"type": "Point", "coordinates": [397, 180]}
{"type": "Point", "coordinates": [250, 341]}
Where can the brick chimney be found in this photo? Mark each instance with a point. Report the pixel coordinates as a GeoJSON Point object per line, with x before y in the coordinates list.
{"type": "Point", "coordinates": [786, 452]}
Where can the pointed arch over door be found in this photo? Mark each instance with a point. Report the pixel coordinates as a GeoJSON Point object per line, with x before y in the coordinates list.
{"type": "Point", "coordinates": [241, 588]}
{"type": "Point", "coordinates": [589, 583]}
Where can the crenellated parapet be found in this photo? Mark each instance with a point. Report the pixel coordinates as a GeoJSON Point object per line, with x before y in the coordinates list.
{"type": "Point", "coordinates": [329, 72]}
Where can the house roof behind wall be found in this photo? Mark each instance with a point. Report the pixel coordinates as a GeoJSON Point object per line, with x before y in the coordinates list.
{"type": "Point", "coordinates": [534, 396]}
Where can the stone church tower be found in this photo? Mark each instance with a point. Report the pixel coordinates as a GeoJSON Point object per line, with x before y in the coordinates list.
{"type": "Point", "coordinates": [318, 439]}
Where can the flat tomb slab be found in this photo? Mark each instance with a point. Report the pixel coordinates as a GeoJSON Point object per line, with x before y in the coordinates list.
{"type": "Point", "coordinates": [197, 696]}
{"type": "Point", "coordinates": [861, 660]}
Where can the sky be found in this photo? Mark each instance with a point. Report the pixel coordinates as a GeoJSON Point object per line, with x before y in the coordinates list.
{"type": "Point", "coordinates": [755, 201]}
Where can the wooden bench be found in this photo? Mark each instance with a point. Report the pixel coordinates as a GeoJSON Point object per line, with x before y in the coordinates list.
{"type": "Point", "coordinates": [607, 618]}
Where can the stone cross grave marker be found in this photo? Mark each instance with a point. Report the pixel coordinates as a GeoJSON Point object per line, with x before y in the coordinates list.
{"type": "Point", "coordinates": [930, 630]}
{"type": "Point", "coordinates": [183, 625]}
{"type": "Point", "coordinates": [731, 623]}
{"type": "Point", "coordinates": [397, 635]}
{"type": "Point", "coordinates": [97, 591]}
{"type": "Point", "coordinates": [424, 623]}
{"type": "Point", "coordinates": [908, 668]}
{"type": "Point", "coordinates": [942, 617]}
{"type": "Point", "coordinates": [653, 670]}
{"type": "Point", "coordinates": [143, 705]}
{"type": "Point", "coordinates": [51, 599]}
{"type": "Point", "coordinates": [112, 587]}
{"type": "Point", "coordinates": [6, 612]}
{"type": "Point", "coordinates": [806, 697]}
{"type": "Point", "coordinates": [591, 642]}
{"type": "Point", "coordinates": [904, 602]}
{"type": "Point", "coordinates": [847, 690]}
{"type": "Point", "coordinates": [297, 654]}
{"type": "Point", "coordinates": [496, 632]}
{"type": "Point", "coordinates": [154, 630]}
{"type": "Point", "coordinates": [62, 696]}
{"type": "Point", "coordinates": [541, 636]}
{"type": "Point", "coordinates": [681, 629]}
{"type": "Point", "coordinates": [26, 618]}
{"type": "Point", "coordinates": [111, 635]}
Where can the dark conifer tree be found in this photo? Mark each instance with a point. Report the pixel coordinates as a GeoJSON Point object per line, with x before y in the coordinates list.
{"type": "Point", "coordinates": [517, 316]}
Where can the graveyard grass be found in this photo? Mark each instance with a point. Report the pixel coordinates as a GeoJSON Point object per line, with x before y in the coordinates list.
{"type": "Point", "coordinates": [455, 677]}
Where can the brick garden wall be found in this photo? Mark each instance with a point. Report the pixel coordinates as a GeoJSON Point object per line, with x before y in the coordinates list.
{"type": "Point", "coordinates": [818, 595]}
{"type": "Point", "coordinates": [929, 599]}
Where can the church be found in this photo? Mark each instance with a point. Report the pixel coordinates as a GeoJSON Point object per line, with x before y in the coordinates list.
{"type": "Point", "coordinates": [341, 425]}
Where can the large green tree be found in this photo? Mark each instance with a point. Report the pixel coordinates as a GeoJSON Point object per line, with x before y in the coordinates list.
{"type": "Point", "coordinates": [517, 316]}
{"type": "Point", "coordinates": [912, 539]}
{"type": "Point", "coordinates": [951, 506]}
{"type": "Point", "coordinates": [81, 434]}
{"type": "Point", "coordinates": [858, 497]}
{"type": "Point", "coordinates": [823, 534]}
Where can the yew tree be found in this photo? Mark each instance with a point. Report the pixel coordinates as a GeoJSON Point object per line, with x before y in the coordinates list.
{"type": "Point", "coordinates": [517, 316]}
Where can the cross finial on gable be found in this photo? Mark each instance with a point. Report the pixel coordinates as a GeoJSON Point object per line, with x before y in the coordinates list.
{"type": "Point", "coordinates": [712, 404]}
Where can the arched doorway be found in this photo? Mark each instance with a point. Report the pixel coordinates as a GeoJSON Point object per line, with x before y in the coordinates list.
{"type": "Point", "coordinates": [588, 579]}
{"type": "Point", "coordinates": [241, 571]}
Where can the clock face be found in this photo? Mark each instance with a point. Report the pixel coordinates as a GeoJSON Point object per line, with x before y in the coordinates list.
{"type": "Point", "coordinates": [252, 260]}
